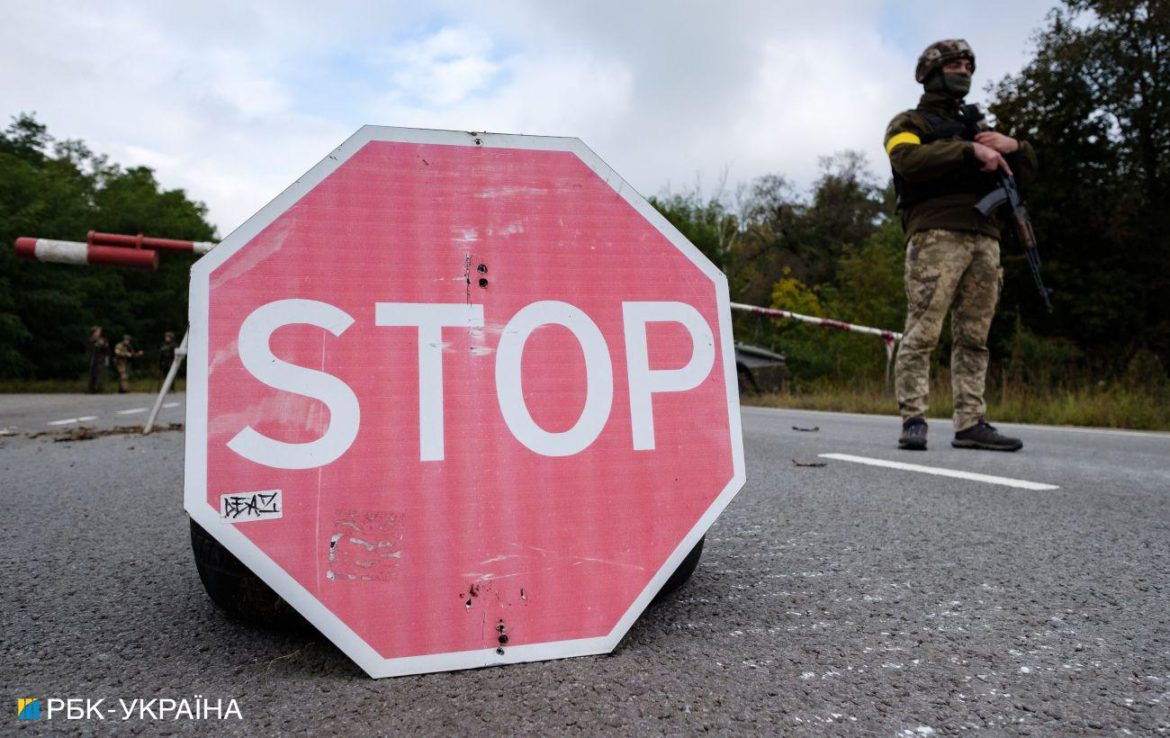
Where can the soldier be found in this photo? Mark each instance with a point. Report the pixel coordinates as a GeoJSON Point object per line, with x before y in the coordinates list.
{"type": "Point", "coordinates": [99, 358]}
{"type": "Point", "coordinates": [123, 353]}
{"type": "Point", "coordinates": [943, 164]}
{"type": "Point", "coordinates": [166, 355]}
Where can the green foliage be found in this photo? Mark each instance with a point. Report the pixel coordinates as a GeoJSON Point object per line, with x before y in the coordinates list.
{"type": "Point", "coordinates": [1094, 103]}
{"type": "Point", "coordinates": [868, 289]}
{"type": "Point", "coordinates": [790, 294]}
{"type": "Point", "coordinates": [62, 190]}
{"type": "Point", "coordinates": [709, 226]}
{"type": "Point", "coordinates": [1038, 361]}
{"type": "Point", "coordinates": [835, 253]}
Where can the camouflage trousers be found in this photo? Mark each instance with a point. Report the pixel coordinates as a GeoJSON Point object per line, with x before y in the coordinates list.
{"type": "Point", "coordinates": [123, 367]}
{"type": "Point", "coordinates": [956, 272]}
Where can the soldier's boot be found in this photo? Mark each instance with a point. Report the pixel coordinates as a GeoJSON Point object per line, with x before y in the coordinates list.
{"type": "Point", "coordinates": [984, 436]}
{"type": "Point", "coordinates": [913, 436]}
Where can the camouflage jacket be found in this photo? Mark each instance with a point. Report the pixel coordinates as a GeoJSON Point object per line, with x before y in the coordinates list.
{"type": "Point", "coordinates": [945, 164]}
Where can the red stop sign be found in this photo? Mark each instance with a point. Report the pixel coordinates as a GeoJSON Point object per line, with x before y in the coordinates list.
{"type": "Point", "coordinates": [450, 387]}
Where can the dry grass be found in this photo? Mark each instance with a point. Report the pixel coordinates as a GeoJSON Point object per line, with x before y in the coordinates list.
{"type": "Point", "coordinates": [1099, 406]}
{"type": "Point", "coordinates": [79, 386]}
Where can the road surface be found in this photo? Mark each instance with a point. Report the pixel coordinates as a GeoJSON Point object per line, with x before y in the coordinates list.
{"type": "Point", "coordinates": [835, 597]}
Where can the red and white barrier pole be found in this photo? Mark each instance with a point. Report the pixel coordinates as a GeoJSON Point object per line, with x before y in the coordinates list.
{"type": "Point", "coordinates": [75, 252]}
{"type": "Point", "coordinates": [146, 242]}
{"type": "Point", "coordinates": [889, 338]}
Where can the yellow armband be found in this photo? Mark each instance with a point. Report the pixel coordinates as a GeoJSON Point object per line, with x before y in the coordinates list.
{"type": "Point", "coordinates": [902, 138]}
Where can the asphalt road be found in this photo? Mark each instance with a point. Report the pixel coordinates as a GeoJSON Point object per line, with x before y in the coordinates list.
{"type": "Point", "coordinates": [844, 599]}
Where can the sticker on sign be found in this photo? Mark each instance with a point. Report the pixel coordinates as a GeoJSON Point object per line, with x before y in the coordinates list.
{"type": "Point", "coordinates": [241, 507]}
{"type": "Point", "coordinates": [491, 384]}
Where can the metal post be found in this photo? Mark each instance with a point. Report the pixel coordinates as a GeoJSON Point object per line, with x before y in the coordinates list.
{"type": "Point", "coordinates": [180, 354]}
{"type": "Point", "coordinates": [890, 342]}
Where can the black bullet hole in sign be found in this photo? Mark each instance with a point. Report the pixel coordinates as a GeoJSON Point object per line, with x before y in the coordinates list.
{"type": "Point", "coordinates": [500, 651]}
{"type": "Point", "coordinates": [482, 269]}
{"type": "Point", "coordinates": [503, 638]}
{"type": "Point", "coordinates": [483, 282]}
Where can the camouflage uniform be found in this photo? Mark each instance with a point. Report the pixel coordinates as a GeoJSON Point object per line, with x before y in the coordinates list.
{"type": "Point", "coordinates": [99, 359]}
{"type": "Point", "coordinates": [166, 356]}
{"type": "Point", "coordinates": [957, 271]}
{"type": "Point", "coordinates": [166, 353]}
{"type": "Point", "coordinates": [123, 353]}
{"type": "Point", "coordinates": [952, 254]}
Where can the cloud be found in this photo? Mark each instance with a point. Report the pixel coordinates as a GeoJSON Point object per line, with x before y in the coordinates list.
{"type": "Point", "coordinates": [232, 102]}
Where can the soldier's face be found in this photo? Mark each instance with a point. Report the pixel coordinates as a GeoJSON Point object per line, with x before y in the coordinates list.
{"type": "Point", "coordinates": [958, 66]}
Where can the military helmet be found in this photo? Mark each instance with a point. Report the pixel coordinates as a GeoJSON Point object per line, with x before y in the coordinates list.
{"type": "Point", "coordinates": [938, 54]}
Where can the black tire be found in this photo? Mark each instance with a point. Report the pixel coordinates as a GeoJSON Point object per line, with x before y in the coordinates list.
{"type": "Point", "coordinates": [243, 595]}
{"type": "Point", "coordinates": [237, 591]}
{"type": "Point", "coordinates": [682, 573]}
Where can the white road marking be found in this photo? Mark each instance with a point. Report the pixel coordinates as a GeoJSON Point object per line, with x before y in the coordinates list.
{"type": "Point", "coordinates": [132, 411]}
{"type": "Point", "coordinates": [66, 421]}
{"type": "Point", "coordinates": [86, 418]}
{"type": "Point", "coordinates": [171, 404]}
{"type": "Point", "coordinates": [937, 471]}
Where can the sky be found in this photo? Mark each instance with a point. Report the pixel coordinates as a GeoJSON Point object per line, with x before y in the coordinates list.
{"type": "Point", "coordinates": [232, 101]}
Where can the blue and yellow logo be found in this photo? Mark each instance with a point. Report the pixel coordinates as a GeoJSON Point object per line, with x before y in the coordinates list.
{"type": "Point", "coordinates": [28, 708]}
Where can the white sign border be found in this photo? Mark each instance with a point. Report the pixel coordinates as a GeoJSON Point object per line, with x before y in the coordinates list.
{"type": "Point", "coordinates": [195, 478]}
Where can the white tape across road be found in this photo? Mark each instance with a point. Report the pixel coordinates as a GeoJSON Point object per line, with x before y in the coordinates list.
{"type": "Point", "coordinates": [953, 473]}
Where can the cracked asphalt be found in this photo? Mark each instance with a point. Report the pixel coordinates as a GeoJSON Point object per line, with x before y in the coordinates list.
{"type": "Point", "coordinates": [831, 600]}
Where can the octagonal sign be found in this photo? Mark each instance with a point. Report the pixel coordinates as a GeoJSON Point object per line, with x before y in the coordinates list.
{"type": "Point", "coordinates": [461, 399]}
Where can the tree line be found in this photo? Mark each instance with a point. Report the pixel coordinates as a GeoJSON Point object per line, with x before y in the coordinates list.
{"type": "Point", "coordinates": [1092, 99]}
{"type": "Point", "coordinates": [1094, 102]}
{"type": "Point", "coordinates": [62, 190]}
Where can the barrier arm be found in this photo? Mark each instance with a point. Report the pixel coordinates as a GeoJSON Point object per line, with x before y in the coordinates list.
{"type": "Point", "coordinates": [107, 249]}
{"type": "Point", "coordinates": [889, 338]}
{"type": "Point", "coordinates": [76, 252]}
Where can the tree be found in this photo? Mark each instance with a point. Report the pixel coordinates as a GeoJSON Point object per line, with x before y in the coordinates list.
{"type": "Point", "coordinates": [807, 237]}
{"type": "Point", "coordinates": [709, 226]}
{"type": "Point", "coordinates": [62, 190]}
{"type": "Point", "coordinates": [1095, 103]}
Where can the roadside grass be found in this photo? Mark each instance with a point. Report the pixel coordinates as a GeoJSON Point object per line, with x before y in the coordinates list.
{"type": "Point", "coordinates": [1100, 406]}
{"type": "Point", "coordinates": [149, 385]}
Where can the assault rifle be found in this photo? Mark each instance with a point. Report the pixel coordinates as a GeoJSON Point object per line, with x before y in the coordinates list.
{"type": "Point", "coordinates": [1007, 194]}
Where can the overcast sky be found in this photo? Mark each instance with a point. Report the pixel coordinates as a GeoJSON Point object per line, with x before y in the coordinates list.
{"type": "Point", "coordinates": [232, 101]}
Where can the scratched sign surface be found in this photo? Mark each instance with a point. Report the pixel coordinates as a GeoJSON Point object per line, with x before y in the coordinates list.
{"type": "Point", "coordinates": [493, 389]}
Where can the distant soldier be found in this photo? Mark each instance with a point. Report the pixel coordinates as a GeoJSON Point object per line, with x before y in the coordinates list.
{"type": "Point", "coordinates": [99, 358]}
{"type": "Point", "coordinates": [123, 353]}
{"type": "Point", "coordinates": [943, 164]}
{"type": "Point", "coordinates": [166, 355]}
